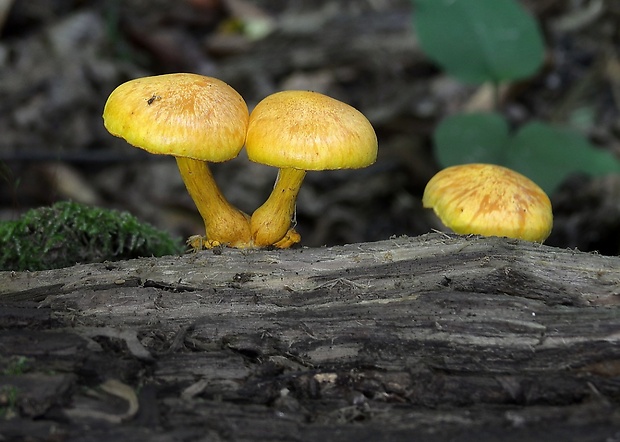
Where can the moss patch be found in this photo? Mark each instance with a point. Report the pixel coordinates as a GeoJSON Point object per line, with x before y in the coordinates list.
{"type": "Point", "coordinates": [68, 233]}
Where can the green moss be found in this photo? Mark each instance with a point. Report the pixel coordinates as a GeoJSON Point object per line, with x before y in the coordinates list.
{"type": "Point", "coordinates": [8, 401]}
{"type": "Point", "coordinates": [68, 233]}
{"type": "Point", "coordinates": [15, 365]}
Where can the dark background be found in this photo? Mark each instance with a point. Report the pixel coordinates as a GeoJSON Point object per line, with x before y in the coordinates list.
{"type": "Point", "coordinates": [59, 60]}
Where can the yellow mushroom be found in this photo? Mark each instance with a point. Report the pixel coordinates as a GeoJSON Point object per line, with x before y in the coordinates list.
{"type": "Point", "coordinates": [196, 119]}
{"type": "Point", "coordinates": [298, 131]}
{"type": "Point", "coordinates": [490, 200]}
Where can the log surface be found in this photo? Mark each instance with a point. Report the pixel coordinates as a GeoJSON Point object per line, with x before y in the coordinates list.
{"type": "Point", "coordinates": [433, 337]}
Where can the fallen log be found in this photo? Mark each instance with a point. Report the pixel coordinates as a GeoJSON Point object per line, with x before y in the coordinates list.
{"type": "Point", "coordinates": [433, 337]}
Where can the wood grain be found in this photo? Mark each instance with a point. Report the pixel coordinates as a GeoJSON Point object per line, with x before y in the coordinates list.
{"type": "Point", "coordinates": [433, 337]}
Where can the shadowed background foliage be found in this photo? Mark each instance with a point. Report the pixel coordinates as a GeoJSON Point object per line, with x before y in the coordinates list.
{"type": "Point", "coordinates": [60, 59]}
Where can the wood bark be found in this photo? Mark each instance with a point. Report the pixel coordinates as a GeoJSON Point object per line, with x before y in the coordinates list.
{"type": "Point", "coordinates": [433, 337]}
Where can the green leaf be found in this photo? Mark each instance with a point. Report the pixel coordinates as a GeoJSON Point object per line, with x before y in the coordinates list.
{"type": "Point", "coordinates": [545, 154]}
{"type": "Point", "coordinates": [549, 154]}
{"type": "Point", "coordinates": [471, 138]}
{"type": "Point", "coordinates": [479, 40]}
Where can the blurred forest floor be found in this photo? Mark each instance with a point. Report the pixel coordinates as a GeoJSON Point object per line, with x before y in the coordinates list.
{"type": "Point", "coordinates": [59, 60]}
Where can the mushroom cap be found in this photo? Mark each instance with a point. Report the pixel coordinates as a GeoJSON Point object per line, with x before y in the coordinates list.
{"type": "Point", "coordinates": [310, 131]}
{"type": "Point", "coordinates": [486, 199]}
{"type": "Point", "coordinates": [185, 115]}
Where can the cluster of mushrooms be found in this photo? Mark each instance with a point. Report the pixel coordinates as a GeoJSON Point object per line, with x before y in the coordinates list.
{"type": "Point", "coordinates": [200, 119]}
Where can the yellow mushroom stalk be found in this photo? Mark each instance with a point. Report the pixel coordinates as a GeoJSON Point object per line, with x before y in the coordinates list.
{"type": "Point", "coordinates": [270, 223]}
{"type": "Point", "coordinates": [489, 200]}
{"type": "Point", "coordinates": [224, 223]}
{"type": "Point", "coordinates": [196, 119]}
{"type": "Point", "coordinates": [299, 131]}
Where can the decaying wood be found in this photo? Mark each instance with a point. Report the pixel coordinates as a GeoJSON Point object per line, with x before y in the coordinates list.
{"type": "Point", "coordinates": [431, 337]}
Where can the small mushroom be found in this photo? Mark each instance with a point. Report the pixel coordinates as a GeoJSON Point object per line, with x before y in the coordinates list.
{"type": "Point", "coordinates": [298, 131]}
{"type": "Point", "coordinates": [196, 119]}
{"type": "Point", "coordinates": [490, 200]}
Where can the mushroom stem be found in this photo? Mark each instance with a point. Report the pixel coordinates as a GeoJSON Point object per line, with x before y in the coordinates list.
{"type": "Point", "coordinates": [224, 223]}
{"type": "Point", "coordinates": [271, 223]}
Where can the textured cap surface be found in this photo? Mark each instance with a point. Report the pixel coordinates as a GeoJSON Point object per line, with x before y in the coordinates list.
{"type": "Point", "coordinates": [185, 115]}
{"type": "Point", "coordinates": [486, 199]}
{"type": "Point", "coordinates": [310, 131]}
